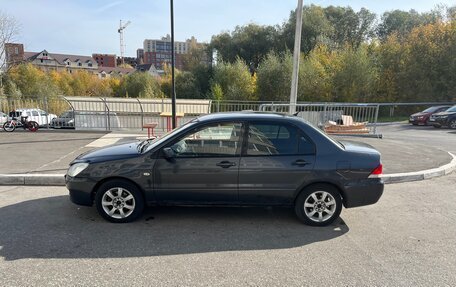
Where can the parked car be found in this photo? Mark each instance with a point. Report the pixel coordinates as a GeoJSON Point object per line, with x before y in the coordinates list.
{"type": "Point", "coordinates": [3, 117]}
{"type": "Point", "coordinates": [236, 159]}
{"type": "Point", "coordinates": [36, 115]}
{"type": "Point", "coordinates": [65, 120]}
{"type": "Point", "coordinates": [422, 118]}
{"type": "Point", "coordinates": [444, 119]}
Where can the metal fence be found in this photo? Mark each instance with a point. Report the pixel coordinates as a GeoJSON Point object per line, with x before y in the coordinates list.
{"type": "Point", "coordinates": [339, 118]}
{"type": "Point", "coordinates": [92, 113]}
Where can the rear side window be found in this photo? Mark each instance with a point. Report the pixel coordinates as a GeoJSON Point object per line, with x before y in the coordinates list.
{"type": "Point", "coordinates": [34, 113]}
{"type": "Point", "coordinates": [277, 139]}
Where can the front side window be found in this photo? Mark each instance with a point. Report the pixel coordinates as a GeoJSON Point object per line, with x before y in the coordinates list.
{"type": "Point", "coordinates": [214, 140]}
{"type": "Point", "coordinates": [277, 139]}
{"type": "Point", "coordinates": [34, 113]}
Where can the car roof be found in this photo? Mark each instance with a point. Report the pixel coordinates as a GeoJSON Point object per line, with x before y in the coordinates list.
{"type": "Point", "coordinates": [246, 115]}
{"type": "Point", "coordinates": [27, 110]}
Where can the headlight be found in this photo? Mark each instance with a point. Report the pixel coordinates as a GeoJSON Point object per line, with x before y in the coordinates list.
{"type": "Point", "coordinates": [76, 168]}
{"type": "Point", "coordinates": [443, 117]}
{"type": "Point", "coordinates": [71, 121]}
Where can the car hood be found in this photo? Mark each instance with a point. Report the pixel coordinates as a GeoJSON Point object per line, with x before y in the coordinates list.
{"type": "Point", "coordinates": [359, 147]}
{"type": "Point", "coordinates": [444, 113]}
{"type": "Point", "coordinates": [114, 152]}
{"type": "Point", "coordinates": [420, 114]}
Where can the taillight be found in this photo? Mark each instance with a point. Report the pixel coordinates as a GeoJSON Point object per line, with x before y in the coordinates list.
{"type": "Point", "coordinates": [377, 171]}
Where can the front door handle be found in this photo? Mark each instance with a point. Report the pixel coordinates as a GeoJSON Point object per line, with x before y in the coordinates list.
{"type": "Point", "coordinates": [226, 164]}
{"type": "Point", "coordinates": [300, 162]}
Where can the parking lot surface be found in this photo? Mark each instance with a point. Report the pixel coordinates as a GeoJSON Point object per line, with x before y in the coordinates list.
{"type": "Point", "coordinates": [406, 239]}
{"type": "Point", "coordinates": [49, 151]}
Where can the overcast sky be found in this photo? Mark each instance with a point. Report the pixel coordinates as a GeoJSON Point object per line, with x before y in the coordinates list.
{"type": "Point", "coordinates": [90, 26]}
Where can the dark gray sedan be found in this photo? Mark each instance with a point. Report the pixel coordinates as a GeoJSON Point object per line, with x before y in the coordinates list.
{"type": "Point", "coordinates": [235, 159]}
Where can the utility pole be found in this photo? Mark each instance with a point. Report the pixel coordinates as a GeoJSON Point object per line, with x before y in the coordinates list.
{"type": "Point", "coordinates": [296, 55]}
{"type": "Point", "coordinates": [173, 86]}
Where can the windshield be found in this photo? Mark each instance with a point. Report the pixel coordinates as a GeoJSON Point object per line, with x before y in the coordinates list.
{"type": "Point", "coordinates": [430, 110]}
{"type": "Point", "coordinates": [452, 109]}
{"type": "Point", "coordinates": [146, 145]}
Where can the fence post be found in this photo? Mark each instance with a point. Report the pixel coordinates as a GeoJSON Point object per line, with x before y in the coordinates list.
{"type": "Point", "coordinates": [376, 119]}
{"type": "Point", "coordinates": [46, 107]}
{"type": "Point", "coordinates": [142, 114]}
{"type": "Point", "coordinates": [218, 106]}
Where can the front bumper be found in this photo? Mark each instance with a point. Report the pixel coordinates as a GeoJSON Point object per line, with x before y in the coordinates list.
{"type": "Point", "coordinates": [363, 192]}
{"type": "Point", "coordinates": [80, 190]}
{"type": "Point", "coordinates": [438, 122]}
{"type": "Point", "coordinates": [418, 121]}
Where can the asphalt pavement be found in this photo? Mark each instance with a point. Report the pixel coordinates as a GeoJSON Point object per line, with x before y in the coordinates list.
{"type": "Point", "coordinates": [406, 239]}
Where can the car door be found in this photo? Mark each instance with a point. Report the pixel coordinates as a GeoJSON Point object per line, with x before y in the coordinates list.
{"type": "Point", "coordinates": [276, 161]}
{"type": "Point", "coordinates": [35, 117]}
{"type": "Point", "coordinates": [204, 166]}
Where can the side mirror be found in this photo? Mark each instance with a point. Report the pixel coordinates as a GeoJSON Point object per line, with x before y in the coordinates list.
{"type": "Point", "coordinates": [168, 153]}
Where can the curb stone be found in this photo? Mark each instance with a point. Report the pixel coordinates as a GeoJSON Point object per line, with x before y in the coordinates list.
{"type": "Point", "coordinates": [59, 179]}
{"type": "Point", "coordinates": [422, 174]}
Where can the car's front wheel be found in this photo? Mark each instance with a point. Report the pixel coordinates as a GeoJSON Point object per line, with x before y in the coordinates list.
{"type": "Point", "coordinates": [318, 205]}
{"type": "Point", "coordinates": [119, 201]}
{"type": "Point", "coordinates": [452, 124]}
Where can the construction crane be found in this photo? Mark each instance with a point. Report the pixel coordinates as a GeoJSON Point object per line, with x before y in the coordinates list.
{"type": "Point", "coordinates": [122, 44]}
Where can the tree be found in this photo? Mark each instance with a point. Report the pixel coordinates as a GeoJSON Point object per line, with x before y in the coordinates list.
{"type": "Point", "coordinates": [198, 62]}
{"type": "Point", "coordinates": [316, 75]}
{"type": "Point", "coordinates": [316, 29]}
{"type": "Point", "coordinates": [235, 81]}
{"type": "Point", "coordinates": [31, 81]}
{"type": "Point", "coordinates": [9, 29]}
{"type": "Point", "coordinates": [187, 86]}
{"type": "Point", "coordinates": [140, 85]}
{"type": "Point", "coordinates": [349, 26]}
{"type": "Point", "coordinates": [355, 76]}
{"type": "Point", "coordinates": [402, 22]}
{"type": "Point", "coordinates": [274, 77]}
{"type": "Point", "coordinates": [251, 43]}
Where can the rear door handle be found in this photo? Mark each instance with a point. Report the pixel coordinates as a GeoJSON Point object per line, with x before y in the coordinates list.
{"type": "Point", "coordinates": [226, 164]}
{"type": "Point", "coordinates": [300, 162]}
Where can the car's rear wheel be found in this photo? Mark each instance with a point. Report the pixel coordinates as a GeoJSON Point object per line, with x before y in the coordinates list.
{"type": "Point", "coordinates": [119, 201]}
{"type": "Point", "coordinates": [318, 205]}
{"type": "Point", "coordinates": [452, 124]}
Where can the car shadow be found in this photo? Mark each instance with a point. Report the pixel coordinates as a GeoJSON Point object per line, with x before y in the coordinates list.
{"type": "Point", "coordinates": [53, 227]}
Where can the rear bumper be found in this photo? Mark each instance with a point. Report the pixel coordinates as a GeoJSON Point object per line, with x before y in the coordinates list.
{"type": "Point", "coordinates": [363, 192]}
{"type": "Point", "coordinates": [80, 190]}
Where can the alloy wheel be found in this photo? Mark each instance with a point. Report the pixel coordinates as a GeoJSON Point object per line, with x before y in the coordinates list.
{"type": "Point", "coordinates": [453, 124]}
{"type": "Point", "coordinates": [320, 206]}
{"type": "Point", "coordinates": [118, 203]}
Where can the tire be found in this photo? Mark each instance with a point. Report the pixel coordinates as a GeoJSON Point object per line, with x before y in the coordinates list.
{"type": "Point", "coordinates": [9, 126]}
{"type": "Point", "coordinates": [32, 126]}
{"type": "Point", "coordinates": [312, 196]}
{"type": "Point", "coordinates": [452, 124]}
{"type": "Point", "coordinates": [129, 195]}
{"type": "Point", "coordinates": [437, 126]}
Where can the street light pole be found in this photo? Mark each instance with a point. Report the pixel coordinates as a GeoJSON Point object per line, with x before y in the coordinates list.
{"type": "Point", "coordinates": [296, 55]}
{"type": "Point", "coordinates": [173, 86]}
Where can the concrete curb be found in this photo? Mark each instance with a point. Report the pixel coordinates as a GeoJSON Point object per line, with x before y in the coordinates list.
{"type": "Point", "coordinates": [59, 179]}
{"type": "Point", "coordinates": [32, 179]}
{"type": "Point", "coordinates": [422, 174]}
